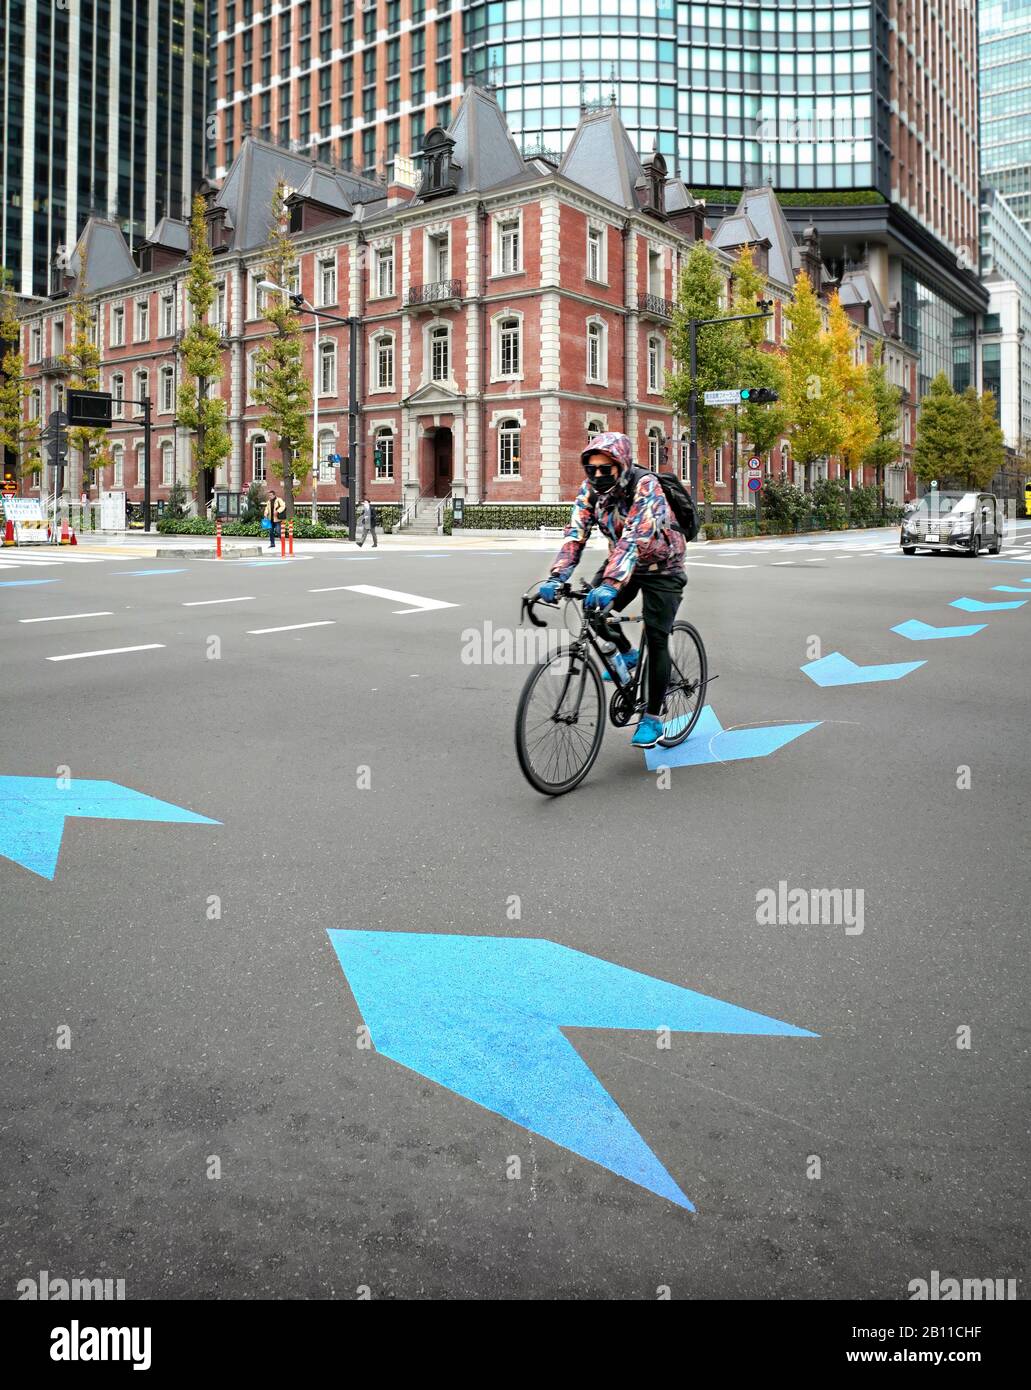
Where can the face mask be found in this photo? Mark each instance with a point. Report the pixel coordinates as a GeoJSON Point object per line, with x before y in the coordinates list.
{"type": "Point", "coordinates": [603, 483]}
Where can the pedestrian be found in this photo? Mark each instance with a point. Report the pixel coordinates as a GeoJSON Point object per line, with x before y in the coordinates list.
{"type": "Point", "coordinates": [274, 509]}
{"type": "Point", "coordinates": [367, 524]}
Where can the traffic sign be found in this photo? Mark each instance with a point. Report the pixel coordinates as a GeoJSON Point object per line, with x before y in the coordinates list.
{"type": "Point", "coordinates": [754, 465]}
{"type": "Point", "coordinates": [754, 484]}
{"type": "Point", "coordinates": [89, 408]}
{"type": "Point", "coordinates": [723, 397]}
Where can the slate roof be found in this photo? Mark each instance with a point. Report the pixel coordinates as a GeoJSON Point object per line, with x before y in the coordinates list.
{"type": "Point", "coordinates": [170, 232]}
{"type": "Point", "coordinates": [485, 155]}
{"type": "Point", "coordinates": [251, 182]}
{"type": "Point", "coordinates": [106, 254]}
{"type": "Point", "coordinates": [857, 287]}
{"type": "Point", "coordinates": [600, 157]}
{"type": "Point", "coordinates": [759, 210]}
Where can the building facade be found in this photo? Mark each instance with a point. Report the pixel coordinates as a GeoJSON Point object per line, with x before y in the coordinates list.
{"type": "Point", "coordinates": [1004, 342]}
{"type": "Point", "coordinates": [101, 111]}
{"type": "Point", "coordinates": [1004, 28]}
{"type": "Point", "coordinates": [508, 309]}
{"type": "Point", "coordinates": [356, 82]}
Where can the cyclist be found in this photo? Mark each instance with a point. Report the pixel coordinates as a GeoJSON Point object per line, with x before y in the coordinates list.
{"type": "Point", "coordinates": [646, 557]}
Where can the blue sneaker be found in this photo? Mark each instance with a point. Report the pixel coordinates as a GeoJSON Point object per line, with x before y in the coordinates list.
{"type": "Point", "coordinates": [649, 731]}
{"type": "Point", "coordinates": [629, 661]}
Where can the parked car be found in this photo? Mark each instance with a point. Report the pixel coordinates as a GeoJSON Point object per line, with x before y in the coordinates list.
{"type": "Point", "coordinates": [965, 522]}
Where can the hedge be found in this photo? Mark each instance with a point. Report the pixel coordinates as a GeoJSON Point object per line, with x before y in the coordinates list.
{"type": "Point", "coordinates": [852, 197]}
{"type": "Point", "coordinates": [512, 517]}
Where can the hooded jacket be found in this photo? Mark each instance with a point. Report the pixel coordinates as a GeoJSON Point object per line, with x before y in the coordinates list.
{"type": "Point", "coordinates": [634, 516]}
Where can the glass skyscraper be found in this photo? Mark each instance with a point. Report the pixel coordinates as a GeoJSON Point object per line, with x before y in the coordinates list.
{"type": "Point", "coordinates": [1005, 49]}
{"type": "Point", "coordinates": [101, 108]}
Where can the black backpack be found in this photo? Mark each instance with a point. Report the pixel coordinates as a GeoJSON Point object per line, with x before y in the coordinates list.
{"type": "Point", "coordinates": [678, 498]}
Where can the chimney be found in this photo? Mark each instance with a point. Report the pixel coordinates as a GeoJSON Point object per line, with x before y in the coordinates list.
{"type": "Point", "coordinates": [812, 262]}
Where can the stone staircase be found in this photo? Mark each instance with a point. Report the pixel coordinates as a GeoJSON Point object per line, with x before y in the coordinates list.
{"type": "Point", "coordinates": [424, 522]}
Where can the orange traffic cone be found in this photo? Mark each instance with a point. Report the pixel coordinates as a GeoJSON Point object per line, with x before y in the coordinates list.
{"type": "Point", "coordinates": [65, 538]}
{"type": "Point", "coordinates": [9, 532]}
{"type": "Point", "coordinates": [74, 539]}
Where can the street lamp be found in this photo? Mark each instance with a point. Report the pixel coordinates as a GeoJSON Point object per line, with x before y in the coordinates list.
{"type": "Point", "coordinates": [299, 302]}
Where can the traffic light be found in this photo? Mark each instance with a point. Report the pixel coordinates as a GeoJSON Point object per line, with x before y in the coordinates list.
{"type": "Point", "coordinates": [758, 395]}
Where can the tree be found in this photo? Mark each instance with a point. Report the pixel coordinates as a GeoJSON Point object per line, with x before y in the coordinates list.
{"type": "Point", "coordinates": [979, 451]}
{"type": "Point", "coordinates": [281, 385]}
{"type": "Point", "coordinates": [853, 388]}
{"type": "Point", "coordinates": [83, 362]}
{"type": "Point", "coordinates": [815, 426]}
{"type": "Point", "coordinates": [761, 425]}
{"type": "Point", "coordinates": [204, 415]}
{"type": "Point", "coordinates": [718, 347]}
{"type": "Point", "coordinates": [887, 397]}
{"type": "Point", "coordinates": [938, 427]}
{"type": "Point", "coordinates": [18, 435]}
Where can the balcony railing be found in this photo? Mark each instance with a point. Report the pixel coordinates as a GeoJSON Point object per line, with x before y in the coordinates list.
{"type": "Point", "coordinates": [434, 293]}
{"type": "Point", "coordinates": [655, 305]}
{"type": "Point", "coordinates": [53, 366]}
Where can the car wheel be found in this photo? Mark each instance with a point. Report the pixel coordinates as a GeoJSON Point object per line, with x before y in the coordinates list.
{"type": "Point", "coordinates": [975, 546]}
{"type": "Point", "coordinates": [996, 549]}
{"type": "Point", "coordinates": [909, 550]}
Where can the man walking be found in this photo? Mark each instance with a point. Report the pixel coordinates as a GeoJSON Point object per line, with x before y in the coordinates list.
{"type": "Point", "coordinates": [367, 524]}
{"type": "Point", "coordinates": [274, 509]}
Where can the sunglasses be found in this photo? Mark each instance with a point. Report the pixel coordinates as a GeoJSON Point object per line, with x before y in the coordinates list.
{"type": "Point", "coordinates": [602, 470]}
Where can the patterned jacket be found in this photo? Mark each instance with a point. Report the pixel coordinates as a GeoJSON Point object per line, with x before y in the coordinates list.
{"type": "Point", "coordinates": [639, 529]}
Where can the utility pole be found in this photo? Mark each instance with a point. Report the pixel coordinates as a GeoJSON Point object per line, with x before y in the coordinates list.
{"type": "Point", "coordinates": [765, 312]}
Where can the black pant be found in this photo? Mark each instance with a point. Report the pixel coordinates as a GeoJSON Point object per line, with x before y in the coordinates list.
{"type": "Point", "coordinates": [274, 533]}
{"type": "Point", "coordinates": [660, 599]}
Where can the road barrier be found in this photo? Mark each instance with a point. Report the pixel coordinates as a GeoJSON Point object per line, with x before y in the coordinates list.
{"type": "Point", "coordinates": [282, 540]}
{"type": "Point", "coordinates": [291, 525]}
{"type": "Point", "coordinates": [218, 539]}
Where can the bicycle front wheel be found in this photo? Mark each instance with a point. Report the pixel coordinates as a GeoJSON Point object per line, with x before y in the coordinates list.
{"type": "Point", "coordinates": [689, 676]}
{"type": "Point", "coordinates": [560, 722]}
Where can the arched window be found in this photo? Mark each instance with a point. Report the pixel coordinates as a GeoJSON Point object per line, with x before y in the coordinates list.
{"type": "Point", "coordinates": [595, 351]}
{"type": "Point", "coordinates": [328, 369]}
{"type": "Point", "coordinates": [654, 448]}
{"type": "Point", "coordinates": [717, 465]}
{"type": "Point", "coordinates": [166, 390]}
{"type": "Point", "coordinates": [508, 449]}
{"type": "Point", "coordinates": [167, 464]}
{"type": "Point", "coordinates": [509, 355]}
{"type": "Point", "coordinates": [140, 466]}
{"type": "Point", "coordinates": [117, 465]}
{"type": "Point", "coordinates": [383, 454]}
{"type": "Point", "coordinates": [142, 389]}
{"type": "Point", "coordinates": [259, 450]}
{"type": "Point", "coordinates": [685, 456]}
{"type": "Point", "coordinates": [383, 362]}
{"type": "Point", "coordinates": [252, 375]}
{"type": "Point", "coordinates": [785, 461]}
{"type": "Point", "coordinates": [327, 446]}
{"type": "Point", "coordinates": [594, 427]}
{"type": "Point", "coordinates": [440, 353]}
{"type": "Point", "coordinates": [117, 396]}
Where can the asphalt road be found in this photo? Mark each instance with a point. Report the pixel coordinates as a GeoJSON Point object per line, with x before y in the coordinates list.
{"type": "Point", "coordinates": [203, 1043]}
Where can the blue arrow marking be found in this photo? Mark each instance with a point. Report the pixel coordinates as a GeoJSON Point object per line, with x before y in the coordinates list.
{"type": "Point", "coordinates": [1008, 589]}
{"type": "Point", "coordinates": [33, 812]}
{"type": "Point", "coordinates": [19, 583]}
{"type": "Point", "coordinates": [182, 571]}
{"type": "Point", "coordinates": [483, 1016]}
{"type": "Point", "coordinates": [975, 605]}
{"type": "Point", "coordinates": [917, 631]}
{"type": "Point", "coordinates": [709, 742]}
{"type": "Point", "coordinates": [837, 669]}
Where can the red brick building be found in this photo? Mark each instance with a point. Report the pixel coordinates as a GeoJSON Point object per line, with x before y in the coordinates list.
{"type": "Point", "coordinates": [508, 308]}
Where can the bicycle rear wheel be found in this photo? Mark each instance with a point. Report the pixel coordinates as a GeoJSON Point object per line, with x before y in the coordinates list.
{"type": "Point", "coordinates": [560, 722]}
{"type": "Point", "coordinates": [685, 695]}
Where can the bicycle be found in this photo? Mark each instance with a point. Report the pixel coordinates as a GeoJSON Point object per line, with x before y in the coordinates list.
{"type": "Point", "coordinates": [560, 720]}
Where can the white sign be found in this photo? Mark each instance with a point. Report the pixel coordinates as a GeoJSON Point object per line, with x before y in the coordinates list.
{"type": "Point", "coordinates": [754, 465]}
{"type": "Point", "coordinates": [30, 527]}
{"type": "Point", "coordinates": [723, 397]}
{"type": "Point", "coordinates": [112, 511]}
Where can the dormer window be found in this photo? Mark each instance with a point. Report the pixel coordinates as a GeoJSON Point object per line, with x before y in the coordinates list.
{"type": "Point", "coordinates": [438, 175]}
{"type": "Point", "coordinates": [655, 172]}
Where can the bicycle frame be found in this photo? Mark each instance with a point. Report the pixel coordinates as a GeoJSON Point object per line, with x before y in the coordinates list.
{"type": "Point", "coordinates": [589, 639]}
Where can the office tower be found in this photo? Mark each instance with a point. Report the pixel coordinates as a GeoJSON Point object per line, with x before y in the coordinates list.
{"type": "Point", "coordinates": [101, 106]}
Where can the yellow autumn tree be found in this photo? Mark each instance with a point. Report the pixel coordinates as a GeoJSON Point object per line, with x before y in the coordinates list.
{"type": "Point", "coordinates": [853, 387]}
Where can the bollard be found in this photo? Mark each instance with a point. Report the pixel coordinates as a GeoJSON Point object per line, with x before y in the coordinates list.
{"type": "Point", "coordinates": [282, 540]}
{"type": "Point", "coordinates": [218, 539]}
{"type": "Point", "coordinates": [291, 537]}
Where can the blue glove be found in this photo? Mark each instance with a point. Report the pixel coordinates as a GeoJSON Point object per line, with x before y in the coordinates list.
{"type": "Point", "coordinates": [548, 591]}
{"type": "Point", "coordinates": [600, 598]}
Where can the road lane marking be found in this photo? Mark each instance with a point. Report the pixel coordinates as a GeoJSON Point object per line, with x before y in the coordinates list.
{"type": "Point", "coordinates": [64, 617]}
{"type": "Point", "coordinates": [20, 583]}
{"type": "Point", "coordinates": [203, 602]}
{"type": "Point", "coordinates": [712, 565]}
{"type": "Point", "coordinates": [333, 589]}
{"type": "Point", "coordinates": [420, 605]}
{"type": "Point", "coordinates": [107, 651]}
{"type": "Point", "coordinates": [134, 572]}
{"type": "Point", "coordinates": [781, 562]}
{"type": "Point", "coordinates": [290, 627]}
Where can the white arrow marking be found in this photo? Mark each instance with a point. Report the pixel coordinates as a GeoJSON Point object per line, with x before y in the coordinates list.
{"type": "Point", "coordinates": [420, 605]}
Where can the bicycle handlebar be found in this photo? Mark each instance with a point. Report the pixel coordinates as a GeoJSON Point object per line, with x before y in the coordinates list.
{"type": "Point", "coordinates": [566, 591]}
